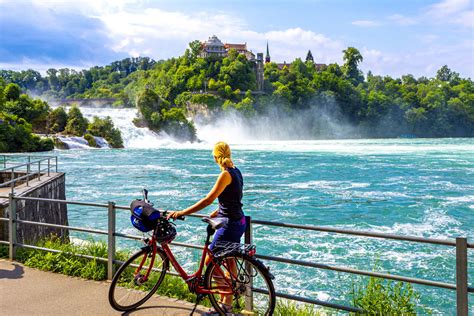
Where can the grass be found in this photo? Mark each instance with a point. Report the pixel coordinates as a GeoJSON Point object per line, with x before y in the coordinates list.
{"type": "Point", "coordinates": [376, 296]}
{"type": "Point", "coordinates": [384, 297]}
{"type": "Point", "coordinates": [291, 308]}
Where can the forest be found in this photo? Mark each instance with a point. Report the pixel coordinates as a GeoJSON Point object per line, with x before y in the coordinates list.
{"type": "Point", "coordinates": [27, 123]}
{"type": "Point", "coordinates": [377, 106]}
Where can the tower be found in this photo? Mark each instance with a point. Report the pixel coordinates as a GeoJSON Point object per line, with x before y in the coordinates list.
{"type": "Point", "coordinates": [259, 71]}
{"type": "Point", "coordinates": [267, 56]}
{"type": "Point", "coordinates": [309, 57]}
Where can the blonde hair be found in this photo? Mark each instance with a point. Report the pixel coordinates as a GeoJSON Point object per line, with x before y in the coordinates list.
{"type": "Point", "coordinates": [222, 155]}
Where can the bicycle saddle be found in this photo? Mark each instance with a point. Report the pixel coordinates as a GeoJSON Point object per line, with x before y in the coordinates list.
{"type": "Point", "coordinates": [216, 222]}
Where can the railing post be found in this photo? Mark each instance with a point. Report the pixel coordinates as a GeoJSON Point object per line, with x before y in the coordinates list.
{"type": "Point", "coordinates": [111, 241]}
{"type": "Point", "coordinates": [461, 277]}
{"type": "Point", "coordinates": [28, 169]}
{"type": "Point", "coordinates": [4, 161]}
{"type": "Point", "coordinates": [39, 170]}
{"type": "Point", "coordinates": [49, 166]}
{"type": "Point", "coordinates": [12, 226]}
{"type": "Point", "coordinates": [12, 184]}
{"type": "Point", "coordinates": [248, 240]}
{"type": "Point", "coordinates": [56, 164]}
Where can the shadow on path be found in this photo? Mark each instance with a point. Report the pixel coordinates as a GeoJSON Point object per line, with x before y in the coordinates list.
{"type": "Point", "coordinates": [16, 273]}
{"type": "Point", "coordinates": [179, 310]}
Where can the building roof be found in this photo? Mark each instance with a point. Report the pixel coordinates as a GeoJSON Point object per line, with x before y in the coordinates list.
{"type": "Point", "coordinates": [236, 46]}
{"type": "Point", "coordinates": [213, 41]}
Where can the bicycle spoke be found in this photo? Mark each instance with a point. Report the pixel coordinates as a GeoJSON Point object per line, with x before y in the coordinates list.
{"type": "Point", "coordinates": [253, 293]}
{"type": "Point", "coordinates": [130, 287]}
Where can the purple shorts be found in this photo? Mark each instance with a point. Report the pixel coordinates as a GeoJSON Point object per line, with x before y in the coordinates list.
{"type": "Point", "coordinates": [232, 232]}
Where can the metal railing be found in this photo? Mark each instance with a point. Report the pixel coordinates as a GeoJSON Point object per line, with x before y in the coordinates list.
{"type": "Point", "coordinates": [461, 287]}
{"type": "Point", "coordinates": [35, 166]}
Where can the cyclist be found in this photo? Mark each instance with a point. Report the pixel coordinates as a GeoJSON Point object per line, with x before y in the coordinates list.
{"type": "Point", "coordinates": [228, 191]}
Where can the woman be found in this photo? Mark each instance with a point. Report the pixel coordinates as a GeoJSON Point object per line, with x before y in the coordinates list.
{"type": "Point", "coordinates": [228, 190]}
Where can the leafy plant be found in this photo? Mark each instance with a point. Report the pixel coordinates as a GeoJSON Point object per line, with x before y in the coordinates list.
{"type": "Point", "coordinates": [385, 297]}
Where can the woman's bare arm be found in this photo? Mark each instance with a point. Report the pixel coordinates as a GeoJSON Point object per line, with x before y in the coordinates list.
{"type": "Point", "coordinates": [222, 181]}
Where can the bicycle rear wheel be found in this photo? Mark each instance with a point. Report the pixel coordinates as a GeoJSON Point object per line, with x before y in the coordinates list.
{"type": "Point", "coordinates": [128, 289]}
{"type": "Point", "coordinates": [250, 281]}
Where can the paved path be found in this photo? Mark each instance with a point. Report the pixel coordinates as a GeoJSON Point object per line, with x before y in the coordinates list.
{"type": "Point", "coordinates": [27, 291]}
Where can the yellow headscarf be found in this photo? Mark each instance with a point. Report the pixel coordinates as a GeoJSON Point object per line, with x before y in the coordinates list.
{"type": "Point", "coordinates": [222, 155]}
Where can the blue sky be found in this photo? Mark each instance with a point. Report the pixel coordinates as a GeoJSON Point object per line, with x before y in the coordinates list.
{"type": "Point", "coordinates": [394, 37]}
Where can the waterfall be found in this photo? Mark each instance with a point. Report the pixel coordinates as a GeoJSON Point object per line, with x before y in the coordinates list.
{"type": "Point", "coordinates": [74, 142]}
{"type": "Point", "coordinates": [133, 137]}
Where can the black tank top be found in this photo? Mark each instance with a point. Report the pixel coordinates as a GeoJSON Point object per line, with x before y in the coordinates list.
{"type": "Point", "coordinates": [230, 200]}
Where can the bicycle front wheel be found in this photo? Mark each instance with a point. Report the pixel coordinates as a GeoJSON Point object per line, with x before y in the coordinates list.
{"type": "Point", "coordinates": [129, 289]}
{"type": "Point", "coordinates": [249, 280]}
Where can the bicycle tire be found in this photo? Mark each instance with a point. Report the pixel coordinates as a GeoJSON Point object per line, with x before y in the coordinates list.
{"type": "Point", "coordinates": [264, 299]}
{"type": "Point", "coordinates": [126, 284]}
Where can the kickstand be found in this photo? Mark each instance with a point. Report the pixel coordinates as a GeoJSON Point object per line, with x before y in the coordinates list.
{"type": "Point", "coordinates": [199, 297]}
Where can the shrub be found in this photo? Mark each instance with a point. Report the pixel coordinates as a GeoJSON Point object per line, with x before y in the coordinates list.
{"type": "Point", "coordinates": [57, 120]}
{"type": "Point", "coordinates": [16, 136]}
{"type": "Point", "coordinates": [385, 297]}
{"type": "Point", "coordinates": [105, 128]}
{"type": "Point", "coordinates": [91, 140]}
{"type": "Point", "coordinates": [291, 308]}
{"type": "Point", "coordinates": [76, 123]}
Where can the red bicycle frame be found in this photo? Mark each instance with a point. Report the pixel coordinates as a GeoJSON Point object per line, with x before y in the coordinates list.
{"type": "Point", "coordinates": [189, 278]}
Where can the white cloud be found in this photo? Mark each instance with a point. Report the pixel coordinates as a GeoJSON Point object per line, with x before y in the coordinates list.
{"type": "Point", "coordinates": [166, 34]}
{"type": "Point", "coordinates": [402, 20]}
{"type": "Point", "coordinates": [365, 23]}
{"type": "Point", "coordinates": [134, 28]}
{"type": "Point", "coordinates": [465, 19]}
{"type": "Point", "coordinates": [447, 7]}
{"type": "Point", "coordinates": [420, 63]}
{"type": "Point", "coordinates": [429, 38]}
{"type": "Point", "coordinates": [452, 11]}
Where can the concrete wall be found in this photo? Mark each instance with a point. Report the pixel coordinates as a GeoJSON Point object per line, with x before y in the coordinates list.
{"type": "Point", "coordinates": [55, 213]}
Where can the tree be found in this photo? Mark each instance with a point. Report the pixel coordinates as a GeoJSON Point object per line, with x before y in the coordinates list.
{"type": "Point", "coordinates": [12, 92]}
{"type": "Point", "coordinates": [352, 58]}
{"type": "Point", "coordinates": [105, 128]}
{"type": "Point", "coordinates": [309, 57]}
{"type": "Point", "coordinates": [57, 120]}
{"type": "Point", "coordinates": [196, 48]}
{"type": "Point", "coordinates": [446, 74]}
{"type": "Point", "coordinates": [76, 123]}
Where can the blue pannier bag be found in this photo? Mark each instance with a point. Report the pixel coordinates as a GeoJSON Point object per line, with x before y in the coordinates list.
{"type": "Point", "coordinates": [144, 217]}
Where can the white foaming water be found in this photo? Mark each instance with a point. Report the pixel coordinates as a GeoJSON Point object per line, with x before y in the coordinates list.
{"type": "Point", "coordinates": [75, 142]}
{"type": "Point", "coordinates": [133, 137]}
{"type": "Point", "coordinates": [259, 137]}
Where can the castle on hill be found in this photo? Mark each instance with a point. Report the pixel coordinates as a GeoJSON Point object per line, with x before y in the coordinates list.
{"type": "Point", "coordinates": [215, 47]}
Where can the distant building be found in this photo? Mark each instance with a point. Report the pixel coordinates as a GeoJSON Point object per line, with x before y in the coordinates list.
{"type": "Point", "coordinates": [214, 47]}
{"type": "Point", "coordinates": [267, 56]}
{"type": "Point", "coordinates": [283, 65]}
{"type": "Point", "coordinates": [241, 49]}
{"type": "Point", "coordinates": [259, 71]}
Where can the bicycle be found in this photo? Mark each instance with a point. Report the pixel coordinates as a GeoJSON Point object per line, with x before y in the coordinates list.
{"type": "Point", "coordinates": [232, 269]}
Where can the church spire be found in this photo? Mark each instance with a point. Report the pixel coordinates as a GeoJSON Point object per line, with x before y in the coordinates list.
{"type": "Point", "coordinates": [267, 56]}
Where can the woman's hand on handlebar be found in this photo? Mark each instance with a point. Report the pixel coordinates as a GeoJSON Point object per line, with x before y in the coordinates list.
{"type": "Point", "coordinates": [174, 215]}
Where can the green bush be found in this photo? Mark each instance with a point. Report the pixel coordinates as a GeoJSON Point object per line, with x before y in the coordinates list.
{"type": "Point", "coordinates": [16, 136]}
{"type": "Point", "coordinates": [57, 120]}
{"type": "Point", "coordinates": [385, 297]}
{"type": "Point", "coordinates": [76, 123]}
{"type": "Point", "coordinates": [91, 140]}
{"type": "Point", "coordinates": [105, 128]}
{"type": "Point", "coordinates": [291, 308]}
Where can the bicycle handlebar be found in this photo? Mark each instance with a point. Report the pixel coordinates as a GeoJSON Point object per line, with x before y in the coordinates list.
{"type": "Point", "coordinates": [164, 213]}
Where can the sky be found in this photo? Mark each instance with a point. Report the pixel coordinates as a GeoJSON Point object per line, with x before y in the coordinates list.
{"type": "Point", "coordinates": [395, 37]}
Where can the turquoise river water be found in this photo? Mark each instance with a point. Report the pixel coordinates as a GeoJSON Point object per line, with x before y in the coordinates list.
{"type": "Point", "coordinates": [418, 187]}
